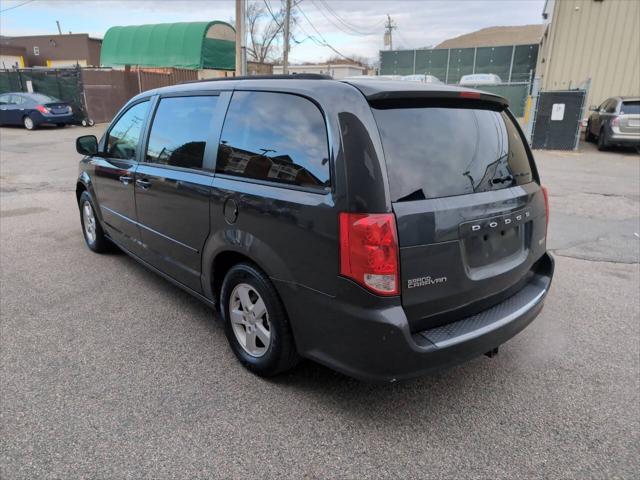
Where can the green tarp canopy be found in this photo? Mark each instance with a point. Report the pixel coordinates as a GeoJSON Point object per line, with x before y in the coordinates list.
{"type": "Point", "coordinates": [181, 45]}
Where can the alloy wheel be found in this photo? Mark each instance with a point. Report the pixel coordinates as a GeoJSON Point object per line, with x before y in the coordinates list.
{"type": "Point", "coordinates": [89, 222]}
{"type": "Point", "coordinates": [250, 320]}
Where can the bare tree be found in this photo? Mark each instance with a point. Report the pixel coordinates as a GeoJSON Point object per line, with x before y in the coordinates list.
{"type": "Point", "coordinates": [263, 27]}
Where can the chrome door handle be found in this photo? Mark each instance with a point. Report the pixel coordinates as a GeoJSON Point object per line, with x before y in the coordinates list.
{"type": "Point", "coordinates": [144, 184]}
{"type": "Point", "coordinates": [125, 179]}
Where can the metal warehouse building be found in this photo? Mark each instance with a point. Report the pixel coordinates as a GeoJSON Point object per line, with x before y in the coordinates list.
{"type": "Point", "coordinates": [591, 39]}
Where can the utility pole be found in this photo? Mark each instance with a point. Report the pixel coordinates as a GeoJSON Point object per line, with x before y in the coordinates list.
{"type": "Point", "coordinates": [285, 53]}
{"type": "Point", "coordinates": [388, 32]}
{"type": "Point", "coordinates": [241, 47]}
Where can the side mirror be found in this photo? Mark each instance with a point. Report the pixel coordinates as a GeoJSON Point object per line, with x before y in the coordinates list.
{"type": "Point", "coordinates": [87, 145]}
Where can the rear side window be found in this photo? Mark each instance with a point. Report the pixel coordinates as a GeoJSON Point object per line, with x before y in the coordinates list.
{"type": "Point", "coordinates": [274, 137]}
{"type": "Point", "coordinates": [124, 135]}
{"type": "Point", "coordinates": [17, 100]}
{"type": "Point", "coordinates": [630, 108]}
{"type": "Point", "coordinates": [179, 132]}
{"type": "Point", "coordinates": [441, 152]}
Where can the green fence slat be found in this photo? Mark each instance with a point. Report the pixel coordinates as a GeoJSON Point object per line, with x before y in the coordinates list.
{"type": "Point", "coordinates": [495, 60]}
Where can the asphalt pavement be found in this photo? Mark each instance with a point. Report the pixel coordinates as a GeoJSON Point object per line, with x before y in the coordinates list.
{"type": "Point", "coordinates": [109, 371]}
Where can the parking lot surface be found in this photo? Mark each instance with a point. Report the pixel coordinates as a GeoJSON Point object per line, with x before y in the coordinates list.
{"type": "Point", "coordinates": [108, 371]}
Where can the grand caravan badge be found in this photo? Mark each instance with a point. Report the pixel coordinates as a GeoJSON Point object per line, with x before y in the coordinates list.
{"type": "Point", "coordinates": [425, 281]}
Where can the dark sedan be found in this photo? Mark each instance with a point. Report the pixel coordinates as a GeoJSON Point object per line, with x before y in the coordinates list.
{"type": "Point", "coordinates": [33, 109]}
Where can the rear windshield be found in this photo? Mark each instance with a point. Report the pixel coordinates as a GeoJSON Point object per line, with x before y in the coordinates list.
{"type": "Point", "coordinates": [441, 152]}
{"type": "Point", "coordinates": [630, 108]}
{"type": "Point", "coordinates": [41, 98]}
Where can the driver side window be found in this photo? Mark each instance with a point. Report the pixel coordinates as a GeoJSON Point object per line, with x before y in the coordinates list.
{"type": "Point", "coordinates": [124, 135]}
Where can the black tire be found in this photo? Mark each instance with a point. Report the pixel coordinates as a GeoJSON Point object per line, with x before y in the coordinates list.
{"type": "Point", "coordinates": [603, 144]}
{"type": "Point", "coordinates": [28, 123]}
{"type": "Point", "coordinates": [281, 354]}
{"type": "Point", "coordinates": [99, 243]}
{"type": "Point", "coordinates": [588, 136]}
{"type": "Point", "coordinates": [61, 125]}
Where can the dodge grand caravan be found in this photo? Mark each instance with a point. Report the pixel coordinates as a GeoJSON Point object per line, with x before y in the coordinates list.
{"type": "Point", "coordinates": [384, 229]}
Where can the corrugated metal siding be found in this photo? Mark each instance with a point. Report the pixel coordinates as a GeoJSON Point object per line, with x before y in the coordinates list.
{"type": "Point", "coordinates": [598, 40]}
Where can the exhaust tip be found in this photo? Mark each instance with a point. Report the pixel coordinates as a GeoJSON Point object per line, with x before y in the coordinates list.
{"type": "Point", "coordinates": [492, 353]}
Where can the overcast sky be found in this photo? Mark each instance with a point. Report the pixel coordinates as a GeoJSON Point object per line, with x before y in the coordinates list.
{"type": "Point", "coordinates": [353, 27]}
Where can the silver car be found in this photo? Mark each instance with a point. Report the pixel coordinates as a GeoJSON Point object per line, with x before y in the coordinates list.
{"type": "Point", "coordinates": [480, 79]}
{"type": "Point", "coordinates": [615, 122]}
{"type": "Point", "coordinates": [421, 77]}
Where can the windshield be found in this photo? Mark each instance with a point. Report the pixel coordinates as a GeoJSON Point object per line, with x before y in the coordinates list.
{"type": "Point", "coordinates": [441, 152]}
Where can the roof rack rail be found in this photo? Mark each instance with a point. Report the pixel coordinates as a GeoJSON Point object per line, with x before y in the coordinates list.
{"type": "Point", "coordinates": [292, 76]}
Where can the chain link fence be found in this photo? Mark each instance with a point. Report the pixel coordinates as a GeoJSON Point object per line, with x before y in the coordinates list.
{"type": "Point", "coordinates": [95, 94]}
{"type": "Point", "coordinates": [64, 84]}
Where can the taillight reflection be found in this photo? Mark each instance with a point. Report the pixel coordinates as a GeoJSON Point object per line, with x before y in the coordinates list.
{"type": "Point", "coordinates": [546, 201]}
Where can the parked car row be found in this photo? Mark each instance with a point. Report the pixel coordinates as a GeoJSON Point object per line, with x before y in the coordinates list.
{"type": "Point", "coordinates": [465, 80]}
{"type": "Point", "coordinates": [325, 234]}
{"type": "Point", "coordinates": [34, 109]}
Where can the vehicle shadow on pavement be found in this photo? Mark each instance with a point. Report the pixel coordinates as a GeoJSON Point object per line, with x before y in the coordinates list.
{"type": "Point", "coordinates": [313, 382]}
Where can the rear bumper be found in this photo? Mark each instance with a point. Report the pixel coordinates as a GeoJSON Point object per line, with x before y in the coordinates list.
{"type": "Point", "coordinates": [53, 119]}
{"type": "Point", "coordinates": [371, 340]}
{"type": "Point", "coordinates": [624, 139]}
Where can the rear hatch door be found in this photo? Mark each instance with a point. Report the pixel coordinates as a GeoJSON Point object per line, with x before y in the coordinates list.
{"type": "Point", "coordinates": [470, 212]}
{"type": "Point", "coordinates": [630, 117]}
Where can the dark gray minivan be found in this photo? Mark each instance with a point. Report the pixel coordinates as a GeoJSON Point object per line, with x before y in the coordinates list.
{"type": "Point", "coordinates": [384, 229]}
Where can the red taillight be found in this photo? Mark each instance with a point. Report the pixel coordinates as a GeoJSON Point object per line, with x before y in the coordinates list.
{"type": "Point", "coordinates": [546, 201]}
{"type": "Point", "coordinates": [615, 122]}
{"type": "Point", "coordinates": [42, 109]}
{"type": "Point", "coordinates": [369, 251]}
{"type": "Point", "coordinates": [469, 94]}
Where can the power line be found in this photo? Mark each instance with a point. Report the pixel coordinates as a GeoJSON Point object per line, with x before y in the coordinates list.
{"type": "Point", "coordinates": [16, 6]}
{"type": "Point", "coordinates": [403, 39]}
{"type": "Point", "coordinates": [266, 3]}
{"type": "Point", "coordinates": [280, 24]}
{"type": "Point", "coordinates": [342, 24]}
{"type": "Point", "coordinates": [324, 41]}
{"type": "Point", "coordinates": [352, 26]}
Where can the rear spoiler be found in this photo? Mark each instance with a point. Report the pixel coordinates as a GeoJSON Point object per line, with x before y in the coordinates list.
{"type": "Point", "coordinates": [462, 98]}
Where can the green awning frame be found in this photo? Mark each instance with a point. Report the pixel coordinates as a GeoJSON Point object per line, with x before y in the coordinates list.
{"type": "Point", "coordinates": [181, 45]}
